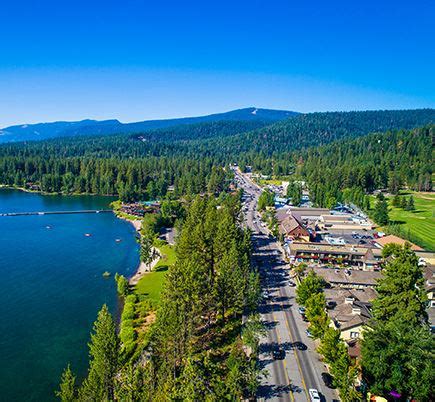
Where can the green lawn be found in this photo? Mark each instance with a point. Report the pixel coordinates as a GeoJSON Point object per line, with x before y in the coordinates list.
{"type": "Point", "coordinates": [150, 285]}
{"type": "Point", "coordinates": [421, 222]}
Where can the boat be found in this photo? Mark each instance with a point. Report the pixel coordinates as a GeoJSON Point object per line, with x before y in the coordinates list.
{"type": "Point", "coordinates": [88, 235]}
{"type": "Point", "coordinates": [118, 240]}
{"type": "Point", "coordinates": [48, 227]}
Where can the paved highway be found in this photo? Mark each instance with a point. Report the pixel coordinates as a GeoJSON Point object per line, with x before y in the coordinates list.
{"type": "Point", "coordinates": [289, 378]}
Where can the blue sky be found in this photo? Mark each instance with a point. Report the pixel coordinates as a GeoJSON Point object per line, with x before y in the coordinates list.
{"type": "Point", "coordinates": [136, 60]}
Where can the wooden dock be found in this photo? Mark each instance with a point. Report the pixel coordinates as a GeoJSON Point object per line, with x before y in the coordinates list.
{"type": "Point", "coordinates": [84, 211]}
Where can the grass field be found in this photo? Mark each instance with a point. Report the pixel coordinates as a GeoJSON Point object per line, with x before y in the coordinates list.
{"type": "Point", "coordinates": [421, 222]}
{"type": "Point", "coordinates": [150, 285]}
{"type": "Point", "coordinates": [265, 182]}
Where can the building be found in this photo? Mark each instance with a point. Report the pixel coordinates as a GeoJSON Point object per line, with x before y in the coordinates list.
{"type": "Point", "coordinates": [349, 279]}
{"type": "Point", "coordinates": [308, 216]}
{"type": "Point", "coordinates": [365, 258]}
{"type": "Point", "coordinates": [382, 241]}
{"type": "Point", "coordinates": [292, 228]}
{"type": "Point", "coordinates": [343, 222]}
{"type": "Point", "coordinates": [139, 209]}
{"type": "Point", "coordinates": [349, 310]}
{"type": "Point", "coordinates": [350, 318]}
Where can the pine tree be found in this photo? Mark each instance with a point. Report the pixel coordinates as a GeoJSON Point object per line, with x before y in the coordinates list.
{"type": "Point", "coordinates": [401, 288]}
{"type": "Point", "coordinates": [396, 201]}
{"type": "Point", "coordinates": [380, 213]}
{"type": "Point", "coordinates": [104, 359]}
{"type": "Point", "coordinates": [397, 351]}
{"type": "Point", "coordinates": [67, 392]}
{"type": "Point", "coordinates": [410, 206]}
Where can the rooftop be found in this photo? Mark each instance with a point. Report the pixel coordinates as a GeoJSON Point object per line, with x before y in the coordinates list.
{"type": "Point", "coordinates": [382, 241]}
{"type": "Point", "coordinates": [346, 277]}
{"type": "Point", "coordinates": [333, 249]}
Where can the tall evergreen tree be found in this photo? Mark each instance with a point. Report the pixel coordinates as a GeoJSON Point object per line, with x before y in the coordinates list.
{"type": "Point", "coordinates": [104, 359]}
{"type": "Point", "coordinates": [67, 392]}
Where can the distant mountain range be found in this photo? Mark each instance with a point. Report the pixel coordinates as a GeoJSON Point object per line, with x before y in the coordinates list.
{"type": "Point", "coordinates": [42, 131]}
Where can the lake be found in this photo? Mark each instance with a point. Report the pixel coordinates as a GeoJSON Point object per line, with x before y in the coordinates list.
{"type": "Point", "coordinates": [53, 286]}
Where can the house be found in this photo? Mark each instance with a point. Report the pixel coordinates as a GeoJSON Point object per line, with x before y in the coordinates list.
{"type": "Point", "coordinates": [349, 279]}
{"type": "Point", "coordinates": [382, 241]}
{"type": "Point", "coordinates": [292, 228]}
{"type": "Point", "coordinates": [350, 318]}
{"type": "Point", "coordinates": [349, 310]}
{"type": "Point", "coordinates": [359, 257]}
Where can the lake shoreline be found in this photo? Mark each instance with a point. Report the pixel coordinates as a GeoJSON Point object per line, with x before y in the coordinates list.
{"type": "Point", "coordinates": [142, 268]}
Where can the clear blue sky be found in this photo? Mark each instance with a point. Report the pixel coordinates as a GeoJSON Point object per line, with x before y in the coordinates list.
{"type": "Point", "coordinates": [136, 60]}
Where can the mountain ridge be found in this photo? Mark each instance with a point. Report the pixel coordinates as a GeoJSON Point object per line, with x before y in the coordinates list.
{"type": "Point", "coordinates": [86, 127]}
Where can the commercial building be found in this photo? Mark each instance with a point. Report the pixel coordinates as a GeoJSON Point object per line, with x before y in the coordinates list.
{"type": "Point", "coordinates": [348, 278]}
{"type": "Point", "coordinates": [359, 257]}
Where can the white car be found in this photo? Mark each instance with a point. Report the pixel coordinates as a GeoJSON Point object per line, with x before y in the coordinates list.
{"type": "Point", "coordinates": [314, 395]}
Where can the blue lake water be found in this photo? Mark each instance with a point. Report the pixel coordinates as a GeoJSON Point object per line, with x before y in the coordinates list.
{"type": "Point", "coordinates": [52, 287]}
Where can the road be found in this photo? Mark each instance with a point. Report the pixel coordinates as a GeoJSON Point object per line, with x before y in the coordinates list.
{"type": "Point", "coordinates": [290, 378]}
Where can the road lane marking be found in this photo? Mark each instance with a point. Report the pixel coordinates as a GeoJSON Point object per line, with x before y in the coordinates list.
{"type": "Point", "coordinates": [296, 352]}
{"type": "Point", "coordinates": [283, 361]}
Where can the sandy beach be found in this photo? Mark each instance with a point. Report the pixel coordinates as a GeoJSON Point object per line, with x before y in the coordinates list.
{"type": "Point", "coordinates": [144, 269]}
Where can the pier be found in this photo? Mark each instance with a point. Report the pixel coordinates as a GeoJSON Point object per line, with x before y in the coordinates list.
{"type": "Point", "coordinates": [84, 211]}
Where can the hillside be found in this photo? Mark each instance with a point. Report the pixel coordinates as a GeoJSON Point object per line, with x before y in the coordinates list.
{"type": "Point", "coordinates": [315, 129]}
{"type": "Point", "coordinates": [43, 131]}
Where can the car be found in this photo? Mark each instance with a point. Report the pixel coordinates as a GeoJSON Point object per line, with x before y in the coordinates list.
{"type": "Point", "coordinates": [314, 395]}
{"type": "Point", "coordinates": [291, 284]}
{"type": "Point", "coordinates": [278, 353]}
{"type": "Point", "coordinates": [328, 380]}
{"type": "Point", "coordinates": [309, 334]}
{"type": "Point", "coordinates": [299, 346]}
{"type": "Point", "coordinates": [301, 310]}
{"type": "Point", "coordinates": [266, 294]}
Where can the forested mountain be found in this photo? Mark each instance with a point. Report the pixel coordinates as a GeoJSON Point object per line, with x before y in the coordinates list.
{"type": "Point", "coordinates": [42, 131]}
{"type": "Point", "coordinates": [392, 160]}
{"type": "Point", "coordinates": [314, 129]}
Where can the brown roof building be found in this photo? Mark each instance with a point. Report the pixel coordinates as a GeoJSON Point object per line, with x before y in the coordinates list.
{"type": "Point", "coordinates": [382, 241]}
{"type": "Point", "coordinates": [365, 258]}
{"type": "Point", "coordinates": [349, 279]}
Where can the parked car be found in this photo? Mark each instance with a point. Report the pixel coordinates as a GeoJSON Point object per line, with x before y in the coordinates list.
{"type": "Point", "coordinates": [291, 284]}
{"type": "Point", "coordinates": [309, 334]}
{"type": "Point", "coordinates": [278, 353]}
{"type": "Point", "coordinates": [266, 294]}
{"type": "Point", "coordinates": [314, 395]}
{"type": "Point", "coordinates": [328, 380]}
{"type": "Point", "coordinates": [301, 310]}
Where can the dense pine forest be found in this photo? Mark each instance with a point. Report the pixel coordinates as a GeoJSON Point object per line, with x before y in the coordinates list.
{"type": "Point", "coordinates": [391, 160]}
{"type": "Point", "coordinates": [146, 165]}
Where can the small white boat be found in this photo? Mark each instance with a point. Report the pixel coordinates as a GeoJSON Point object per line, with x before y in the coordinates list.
{"type": "Point", "coordinates": [118, 240]}
{"type": "Point", "coordinates": [48, 227]}
{"type": "Point", "coordinates": [88, 235]}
